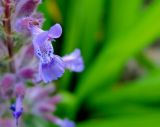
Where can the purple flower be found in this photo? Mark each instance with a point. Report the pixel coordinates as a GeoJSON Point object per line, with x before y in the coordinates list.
{"type": "Point", "coordinates": [74, 61]}
{"type": "Point", "coordinates": [40, 100]}
{"type": "Point", "coordinates": [20, 90]}
{"type": "Point", "coordinates": [7, 85]}
{"type": "Point", "coordinates": [22, 25]}
{"type": "Point", "coordinates": [51, 66]}
{"type": "Point", "coordinates": [17, 109]}
{"type": "Point", "coordinates": [65, 123]}
{"type": "Point", "coordinates": [26, 73]}
{"type": "Point", "coordinates": [8, 80]}
{"type": "Point", "coordinates": [60, 122]}
{"type": "Point", "coordinates": [25, 62]}
{"type": "Point", "coordinates": [51, 70]}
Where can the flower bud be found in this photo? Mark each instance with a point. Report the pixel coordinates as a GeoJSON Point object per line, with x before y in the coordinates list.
{"type": "Point", "coordinates": [7, 84]}
{"type": "Point", "coordinates": [20, 90]}
{"type": "Point", "coordinates": [26, 73]}
{"type": "Point", "coordinates": [26, 7]}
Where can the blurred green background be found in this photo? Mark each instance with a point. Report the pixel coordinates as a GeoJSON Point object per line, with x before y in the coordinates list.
{"type": "Point", "coordinates": [119, 40]}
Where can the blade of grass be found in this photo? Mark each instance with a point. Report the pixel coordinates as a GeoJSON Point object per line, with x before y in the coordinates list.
{"type": "Point", "coordinates": [81, 29]}
{"type": "Point", "coordinates": [92, 21]}
{"type": "Point", "coordinates": [142, 91]}
{"type": "Point", "coordinates": [122, 15]}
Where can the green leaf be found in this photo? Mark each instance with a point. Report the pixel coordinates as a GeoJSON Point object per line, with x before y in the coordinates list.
{"type": "Point", "coordinates": [122, 110]}
{"type": "Point", "coordinates": [150, 120]}
{"type": "Point", "coordinates": [122, 16]}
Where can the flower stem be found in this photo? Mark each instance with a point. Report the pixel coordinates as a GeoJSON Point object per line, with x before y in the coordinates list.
{"type": "Point", "coordinates": [8, 33]}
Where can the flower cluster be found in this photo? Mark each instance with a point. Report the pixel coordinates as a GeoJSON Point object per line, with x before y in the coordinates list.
{"type": "Point", "coordinates": [34, 61]}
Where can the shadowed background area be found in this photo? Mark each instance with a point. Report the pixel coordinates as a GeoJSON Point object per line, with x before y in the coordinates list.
{"type": "Point", "coordinates": [119, 40]}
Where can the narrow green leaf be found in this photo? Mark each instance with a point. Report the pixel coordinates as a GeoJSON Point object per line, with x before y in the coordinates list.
{"type": "Point", "coordinates": [122, 110]}
{"type": "Point", "coordinates": [122, 16]}
{"type": "Point", "coordinates": [92, 21]}
{"type": "Point", "coordinates": [150, 120]}
{"type": "Point", "coordinates": [81, 29]}
{"type": "Point", "coordinates": [144, 90]}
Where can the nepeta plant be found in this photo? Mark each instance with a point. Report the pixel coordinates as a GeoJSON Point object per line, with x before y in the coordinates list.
{"type": "Point", "coordinates": [27, 55]}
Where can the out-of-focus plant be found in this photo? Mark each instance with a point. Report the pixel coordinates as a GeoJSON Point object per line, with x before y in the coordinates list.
{"type": "Point", "coordinates": [113, 35]}
{"type": "Point", "coordinates": [28, 60]}
{"type": "Point", "coordinates": [120, 84]}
